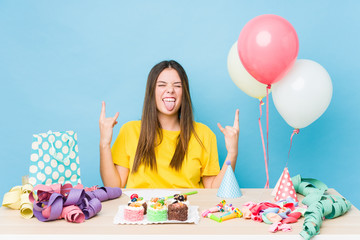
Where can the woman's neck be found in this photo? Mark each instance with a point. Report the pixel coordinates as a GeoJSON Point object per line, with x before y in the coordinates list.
{"type": "Point", "coordinates": [170, 123]}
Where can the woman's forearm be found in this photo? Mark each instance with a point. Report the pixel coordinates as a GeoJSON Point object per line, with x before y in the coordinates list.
{"type": "Point", "coordinates": [109, 174]}
{"type": "Point", "coordinates": [218, 179]}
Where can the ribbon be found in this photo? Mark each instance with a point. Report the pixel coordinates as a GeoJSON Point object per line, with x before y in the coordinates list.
{"type": "Point", "coordinates": [57, 201]}
{"type": "Point", "coordinates": [44, 192]}
{"type": "Point", "coordinates": [73, 214]}
{"type": "Point", "coordinates": [104, 193]}
{"type": "Point", "coordinates": [266, 152]}
{"type": "Point", "coordinates": [74, 204]}
{"type": "Point", "coordinates": [321, 206]}
{"type": "Point", "coordinates": [263, 144]}
{"type": "Point", "coordinates": [51, 210]}
{"type": "Point", "coordinates": [75, 197]}
{"type": "Point", "coordinates": [267, 124]}
{"type": "Point", "coordinates": [296, 131]}
{"type": "Point", "coordinates": [91, 208]}
{"type": "Point", "coordinates": [18, 198]}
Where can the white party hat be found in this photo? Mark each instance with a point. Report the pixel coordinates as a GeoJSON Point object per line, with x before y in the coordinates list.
{"type": "Point", "coordinates": [229, 187]}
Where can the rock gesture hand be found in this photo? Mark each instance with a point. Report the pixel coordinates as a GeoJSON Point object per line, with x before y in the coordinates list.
{"type": "Point", "coordinates": [106, 126]}
{"type": "Point", "coordinates": [231, 134]}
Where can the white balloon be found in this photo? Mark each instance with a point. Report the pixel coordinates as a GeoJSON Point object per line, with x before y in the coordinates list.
{"type": "Point", "coordinates": [242, 78]}
{"type": "Point", "coordinates": [304, 94]}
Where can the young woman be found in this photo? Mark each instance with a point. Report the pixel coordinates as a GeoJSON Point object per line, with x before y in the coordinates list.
{"type": "Point", "coordinates": [167, 148]}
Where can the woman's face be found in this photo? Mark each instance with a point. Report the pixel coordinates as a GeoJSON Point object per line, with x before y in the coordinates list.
{"type": "Point", "coordinates": [168, 92]}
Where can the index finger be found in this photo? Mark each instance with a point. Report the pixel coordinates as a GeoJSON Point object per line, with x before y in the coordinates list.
{"type": "Point", "coordinates": [102, 114]}
{"type": "Point", "coordinates": [236, 121]}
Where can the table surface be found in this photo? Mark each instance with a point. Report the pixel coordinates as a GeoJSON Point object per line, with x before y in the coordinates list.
{"type": "Point", "coordinates": [11, 223]}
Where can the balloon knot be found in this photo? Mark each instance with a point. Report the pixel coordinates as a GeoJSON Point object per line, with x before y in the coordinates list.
{"type": "Point", "coordinates": [296, 131]}
{"type": "Point", "coordinates": [261, 102]}
{"type": "Point", "coordinates": [268, 86]}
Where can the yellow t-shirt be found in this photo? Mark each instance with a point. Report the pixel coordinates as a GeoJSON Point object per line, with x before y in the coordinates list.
{"type": "Point", "coordinates": [199, 161]}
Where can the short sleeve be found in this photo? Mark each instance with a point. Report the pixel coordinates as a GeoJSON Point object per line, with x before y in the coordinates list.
{"type": "Point", "coordinates": [118, 151]}
{"type": "Point", "coordinates": [210, 161]}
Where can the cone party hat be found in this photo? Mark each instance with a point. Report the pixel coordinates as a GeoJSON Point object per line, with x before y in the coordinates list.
{"type": "Point", "coordinates": [274, 191]}
{"type": "Point", "coordinates": [229, 187]}
{"type": "Point", "coordinates": [286, 187]}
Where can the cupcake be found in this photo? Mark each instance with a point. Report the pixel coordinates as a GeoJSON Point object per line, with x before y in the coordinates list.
{"type": "Point", "coordinates": [134, 212]}
{"type": "Point", "coordinates": [157, 210]}
{"type": "Point", "coordinates": [178, 208]}
{"type": "Point", "coordinates": [134, 198]}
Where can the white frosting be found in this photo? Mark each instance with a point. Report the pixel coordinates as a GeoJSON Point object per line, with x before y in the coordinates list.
{"type": "Point", "coordinates": [141, 202]}
{"type": "Point", "coordinates": [134, 208]}
{"type": "Point", "coordinates": [170, 201]}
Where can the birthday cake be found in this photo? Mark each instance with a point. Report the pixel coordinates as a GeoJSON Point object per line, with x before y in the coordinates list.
{"type": "Point", "coordinates": [157, 210]}
{"type": "Point", "coordinates": [178, 208]}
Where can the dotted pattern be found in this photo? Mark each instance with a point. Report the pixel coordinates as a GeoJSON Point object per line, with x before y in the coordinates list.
{"type": "Point", "coordinates": [229, 187]}
{"type": "Point", "coordinates": [44, 169]}
{"type": "Point", "coordinates": [286, 188]}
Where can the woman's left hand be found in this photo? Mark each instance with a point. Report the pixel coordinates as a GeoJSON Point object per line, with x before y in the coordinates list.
{"type": "Point", "coordinates": [231, 134]}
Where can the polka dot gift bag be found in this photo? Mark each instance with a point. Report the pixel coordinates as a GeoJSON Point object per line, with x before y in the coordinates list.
{"type": "Point", "coordinates": [54, 159]}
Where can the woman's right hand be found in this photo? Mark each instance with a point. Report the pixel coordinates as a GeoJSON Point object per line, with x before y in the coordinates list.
{"type": "Point", "coordinates": [106, 126]}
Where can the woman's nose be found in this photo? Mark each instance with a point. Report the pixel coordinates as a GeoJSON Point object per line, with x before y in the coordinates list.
{"type": "Point", "coordinates": [170, 89]}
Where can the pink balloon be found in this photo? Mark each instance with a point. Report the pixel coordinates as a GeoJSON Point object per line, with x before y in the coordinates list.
{"type": "Point", "coordinates": [268, 46]}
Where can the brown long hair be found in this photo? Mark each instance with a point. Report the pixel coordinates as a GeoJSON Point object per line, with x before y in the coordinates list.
{"type": "Point", "coordinates": [151, 133]}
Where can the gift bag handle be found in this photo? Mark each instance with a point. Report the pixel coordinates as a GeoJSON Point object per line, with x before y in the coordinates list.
{"type": "Point", "coordinates": [71, 144]}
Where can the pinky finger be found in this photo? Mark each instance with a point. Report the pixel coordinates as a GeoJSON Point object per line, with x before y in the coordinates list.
{"type": "Point", "coordinates": [220, 127]}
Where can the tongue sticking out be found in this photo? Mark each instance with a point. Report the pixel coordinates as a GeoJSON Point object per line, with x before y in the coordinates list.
{"type": "Point", "coordinates": [169, 105]}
